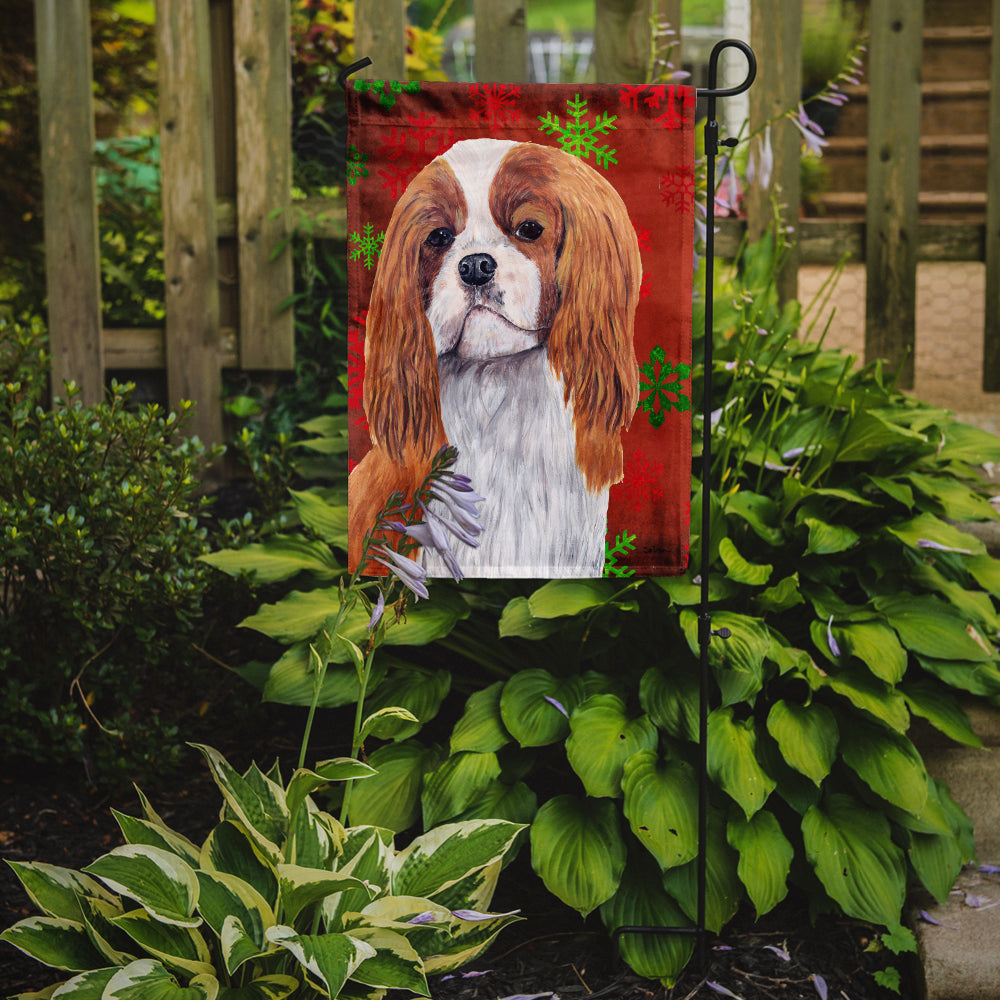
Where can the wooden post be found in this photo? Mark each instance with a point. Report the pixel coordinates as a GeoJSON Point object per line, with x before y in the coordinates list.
{"type": "Point", "coordinates": [262, 60]}
{"type": "Point", "coordinates": [776, 35]}
{"type": "Point", "coordinates": [190, 254]}
{"type": "Point", "coordinates": [621, 40]}
{"type": "Point", "coordinates": [991, 333]}
{"type": "Point", "coordinates": [893, 183]}
{"type": "Point", "coordinates": [380, 34]}
{"type": "Point", "coordinates": [72, 255]}
{"type": "Point", "coordinates": [501, 41]}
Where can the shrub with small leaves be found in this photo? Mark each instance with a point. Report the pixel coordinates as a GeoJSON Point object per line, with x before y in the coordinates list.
{"type": "Point", "coordinates": [99, 572]}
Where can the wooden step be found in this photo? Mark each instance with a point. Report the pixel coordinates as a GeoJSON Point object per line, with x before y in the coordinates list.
{"type": "Point", "coordinates": [958, 206]}
{"type": "Point", "coordinates": [956, 53]}
{"type": "Point", "coordinates": [940, 13]}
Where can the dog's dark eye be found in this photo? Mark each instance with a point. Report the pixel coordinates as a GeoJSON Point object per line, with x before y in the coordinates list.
{"type": "Point", "coordinates": [529, 230]}
{"type": "Point", "coordinates": [442, 237]}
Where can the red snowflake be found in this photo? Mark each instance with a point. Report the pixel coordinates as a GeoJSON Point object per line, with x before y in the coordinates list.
{"type": "Point", "coordinates": [493, 104]}
{"type": "Point", "coordinates": [675, 100]}
{"type": "Point", "coordinates": [406, 151]}
{"type": "Point", "coordinates": [646, 288]}
{"type": "Point", "coordinates": [356, 368]}
{"type": "Point", "coordinates": [642, 484]}
{"type": "Point", "coordinates": [677, 188]}
{"type": "Point", "coordinates": [642, 235]}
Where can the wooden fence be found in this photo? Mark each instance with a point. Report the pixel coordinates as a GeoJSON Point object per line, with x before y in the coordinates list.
{"type": "Point", "coordinates": [226, 160]}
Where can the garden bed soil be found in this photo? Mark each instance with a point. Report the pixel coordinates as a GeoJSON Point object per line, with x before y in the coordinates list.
{"type": "Point", "coordinates": [50, 818]}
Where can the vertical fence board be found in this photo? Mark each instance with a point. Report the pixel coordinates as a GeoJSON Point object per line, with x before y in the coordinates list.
{"type": "Point", "coordinates": [621, 40]}
{"type": "Point", "coordinates": [991, 332]}
{"type": "Point", "coordinates": [190, 254]}
{"type": "Point", "coordinates": [776, 34]}
{"type": "Point", "coordinates": [668, 12]}
{"type": "Point", "coordinates": [380, 34]}
{"type": "Point", "coordinates": [72, 256]}
{"type": "Point", "coordinates": [501, 41]}
{"type": "Point", "coordinates": [262, 60]}
{"type": "Point", "coordinates": [893, 183]}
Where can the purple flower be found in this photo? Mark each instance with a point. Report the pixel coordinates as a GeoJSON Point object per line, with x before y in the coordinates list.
{"type": "Point", "coordinates": [820, 983]}
{"type": "Point", "coordinates": [411, 575]}
{"type": "Point", "coordinates": [558, 705]}
{"type": "Point", "coordinates": [377, 611]}
{"type": "Point", "coordinates": [834, 648]}
{"type": "Point", "coordinates": [427, 917]}
{"type": "Point", "coordinates": [761, 163]}
{"type": "Point", "coordinates": [719, 988]}
{"type": "Point", "coordinates": [475, 915]}
{"type": "Point", "coordinates": [811, 132]}
{"type": "Point", "coordinates": [927, 543]}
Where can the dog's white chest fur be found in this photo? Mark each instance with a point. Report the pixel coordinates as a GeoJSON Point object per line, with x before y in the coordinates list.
{"type": "Point", "coordinates": [516, 442]}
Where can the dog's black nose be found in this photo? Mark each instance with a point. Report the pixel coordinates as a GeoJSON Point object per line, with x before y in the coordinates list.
{"type": "Point", "coordinates": [476, 268]}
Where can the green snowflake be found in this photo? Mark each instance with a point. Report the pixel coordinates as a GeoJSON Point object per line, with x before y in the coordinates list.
{"type": "Point", "coordinates": [579, 137]}
{"type": "Point", "coordinates": [386, 91]}
{"type": "Point", "coordinates": [624, 544]}
{"type": "Point", "coordinates": [368, 246]}
{"type": "Point", "coordinates": [660, 381]}
{"type": "Point", "coordinates": [356, 161]}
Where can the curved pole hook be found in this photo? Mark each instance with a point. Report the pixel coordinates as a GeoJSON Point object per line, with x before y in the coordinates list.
{"type": "Point", "coordinates": [353, 68]}
{"type": "Point", "coordinates": [713, 90]}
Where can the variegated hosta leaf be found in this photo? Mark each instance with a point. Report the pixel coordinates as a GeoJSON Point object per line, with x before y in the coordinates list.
{"type": "Point", "coordinates": [456, 784]}
{"type": "Point", "coordinates": [602, 737]}
{"type": "Point", "coordinates": [642, 902]}
{"type": "Point", "coordinates": [300, 887]}
{"type": "Point", "coordinates": [481, 727]}
{"type": "Point", "coordinates": [395, 964]}
{"type": "Point", "coordinates": [441, 857]}
{"type": "Point", "coordinates": [256, 801]}
{"type": "Point", "coordinates": [230, 849]}
{"type": "Point", "coordinates": [661, 799]}
{"type": "Point", "coordinates": [54, 941]}
{"type": "Point", "coordinates": [578, 851]}
{"type": "Point", "coordinates": [274, 987]}
{"type": "Point", "coordinates": [147, 979]}
{"type": "Point", "coordinates": [177, 947]}
{"type": "Point", "coordinates": [367, 853]}
{"type": "Point", "coordinates": [225, 897]}
{"type": "Point", "coordinates": [468, 939]}
{"type": "Point", "coordinates": [329, 959]}
{"type": "Point", "coordinates": [850, 847]}
{"type": "Point", "coordinates": [141, 831]}
{"type": "Point", "coordinates": [116, 946]}
{"type": "Point", "coordinates": [732, 760]}
{"type": "Point", "coordinates": [475, 891]}
{"type": "Point", "coordinates": [56, 891]}
{"type": "Point", "coordinates": [765, 858]}
{"type": "Point", "coordinates": [158, 880]}
{"type": "Point", "coordinates": [87, 986]}
{"type": "Point", "coordinates": [315, 838]}
{"type": "Point", "coordinates": [807, 736]}
{"type": "Point", "coordinates": [304, 782]}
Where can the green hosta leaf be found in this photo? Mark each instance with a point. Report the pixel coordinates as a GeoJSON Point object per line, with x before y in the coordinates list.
{"type": "Point", "coordinates": [956, 500]}
{"type": "Point", "coordinates": [578, 851]}
{"type": "Point", "coordinates": [864, 691]}
{"type": "Point", "coordinates": [671, 700]}
{"type": "Point", "coordinates": [986, 571]}
{"type": "Point", "coordinates": [415, 689]}
{"type": "Point", "coordinates": [443, 856]}
{"type": "Point", "coordinates": [738, 661]}
{"type": "Point", "coordinates": [723, 889]}
{"type": "Point", "coordinates": [230, 849]}
{"type": "Point", "coordinates": [301, 887]}
{"type": "Point", "coordinates": [56, 891]}
{"type": "Point", "coordinates": [274, 987]}
{"type": "Point", "coordinates": [928, 528]}
{"type": "Point", "coordinates": [738, 569]}
{"type": "Point", "coordinates": [260, 809]}
{"type": "Point", "coordinates": [279, 558]}
{"type": "Point", "coordinates": [602, 738]}
{"type": "Point", "coordinates": [516, 803]}
{"type": "Point", "coordinates": [528, 710]}
{"type": "Point", "coordinates": [147, 979]}
{"type": "Point", "coordinates": [327, 520]}
{"type": "Point", "coordinates": [976, 605]}
{"type": "Point", "coordinates": [141, 831]}
{"type": "Point", "coordinates": [641, 901]}
{"type": "Point", "coordinates": [783, 595]}
{"type": "Point", "coordinates": [292, 680]}
{"type": "Point", "coordinates": [304, 782]}
{"type": "Point", "coordinates": [869, 436]}
{"type": "Point", "coordinates": [517, 620]}
{"type": "Point", "coordinates": [937, 858]}
{"type": "Point", "coordinates": [661, 798]}
{"type": "Point", "coordinates": [876, 646]}
{"type": "Point", "coordinates": [850, 847]}
{"type": "Point", "coordinates": [159, 881]}
{"type": "Point", "coordinates": [225, 897]}
{"type": "Point", "coordinates": [456, 784]}
{"type": "Point", "coordinates": [559, 598]}
{"type": "Point", "coordinates": [807, 736]}
{"type": "Point", "coordinates": [54, 941]}
{"type": "Point", "coordinates": [481, 728]}
{"type": "Point", "coordinates": [758, 511]}
{"type": "Point", "coordinates": [684, 593]}
{"type": "Point", "coordinates": [330, 959]}
{"type": "Point", "coordinates": [765, 858]}
{"type": "Point", "coordinates": [893, 488]}
{"type": "Point", "coordinates": [976, 678]}
{"type": "Point", "coordinates": [965, 443]}
{"type": "Point", "coordinates": [941, 709]}
{"type": "Point", "coordinates": [827, 539]}
{"type": "Point", "coordinates": [395, 964]}
{"type": "Point", "coordinates": [177, 947]}
{"type": "Point", "coordinates": [888, 763]}
{"type": "Point", "coordinates": [732, 760]}
{"type": "Point", "coordinates": [391, 798]}
{"type": "Point", "coordinates": [932, 628]}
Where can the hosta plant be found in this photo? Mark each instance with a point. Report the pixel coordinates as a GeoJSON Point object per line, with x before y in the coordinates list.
{"type": "Point", "coordinates": [279, 900]}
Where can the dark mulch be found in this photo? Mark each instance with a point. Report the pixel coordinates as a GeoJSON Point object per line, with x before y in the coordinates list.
{"type": "Point", "coordinates": [551, 951]}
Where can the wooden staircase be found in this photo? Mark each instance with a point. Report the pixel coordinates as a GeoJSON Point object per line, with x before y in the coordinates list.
{"type": "Point", "coordinates": [955, 91]}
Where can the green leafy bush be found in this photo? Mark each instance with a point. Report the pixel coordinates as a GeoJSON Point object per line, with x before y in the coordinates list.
{"type": "Point", "coordinates": [854, 604]}
{"type": "Point", "coordinates": [99, 542]}
{"type": "Point", "coordinates": [280, 899]}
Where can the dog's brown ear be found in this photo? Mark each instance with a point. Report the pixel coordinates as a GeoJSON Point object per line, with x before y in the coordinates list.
{"type": "Point", "coordinates": [591, 342]}
{"type": "Point", "coordinates": [401, 393]}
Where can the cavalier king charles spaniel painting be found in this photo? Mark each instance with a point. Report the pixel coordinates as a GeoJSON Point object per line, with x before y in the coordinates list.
{"type": "Point", "coordinates": [501, 322]}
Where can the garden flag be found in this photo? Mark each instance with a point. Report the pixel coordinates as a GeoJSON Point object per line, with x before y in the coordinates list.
{"type": "Point", "coordinates": [520, 263]}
